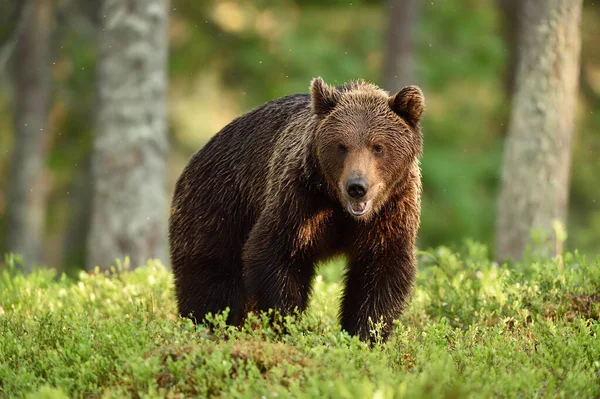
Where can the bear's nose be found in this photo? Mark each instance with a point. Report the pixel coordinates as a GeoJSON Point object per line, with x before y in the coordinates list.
{"type": "Point", "coordinates": [357, 188]}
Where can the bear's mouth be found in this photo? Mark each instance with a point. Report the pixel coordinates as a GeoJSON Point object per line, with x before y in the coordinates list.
{"type": "Point", "coordinates": [359, 208]}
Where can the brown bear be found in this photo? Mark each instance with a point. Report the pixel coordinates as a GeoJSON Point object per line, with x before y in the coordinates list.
{"type": "Point", "coordinates": [296, 181]}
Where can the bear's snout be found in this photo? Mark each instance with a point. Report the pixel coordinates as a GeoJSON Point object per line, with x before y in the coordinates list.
{"type": "Point", "coordinates": [356, 200]}
{"type": "Point", "coordinates": [357, 187]}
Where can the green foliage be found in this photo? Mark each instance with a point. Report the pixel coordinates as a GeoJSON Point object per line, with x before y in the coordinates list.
{"type": "Point", "coordinates": [461, 70]}
{"type": "Point", "coordinates": [268, 49]}
{"type": "Point", "coordinates": [473, 329]}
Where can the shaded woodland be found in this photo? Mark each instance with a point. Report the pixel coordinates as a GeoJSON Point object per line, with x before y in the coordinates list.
{"type": "Point", "coordinates": [102, 105]}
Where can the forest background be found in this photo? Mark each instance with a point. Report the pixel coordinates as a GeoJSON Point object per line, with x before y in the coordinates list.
{"type": "Point", "coordinates": [226, 57]}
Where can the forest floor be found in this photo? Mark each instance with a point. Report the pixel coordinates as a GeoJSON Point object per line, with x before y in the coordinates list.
{"type": "Point", "coordinates": [473, 329]}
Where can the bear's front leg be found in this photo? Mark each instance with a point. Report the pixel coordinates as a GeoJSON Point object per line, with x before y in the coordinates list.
{"type": "Point", "coordinates": [378, 284]}
{"type": "Point", "coordinates": [277, 275]}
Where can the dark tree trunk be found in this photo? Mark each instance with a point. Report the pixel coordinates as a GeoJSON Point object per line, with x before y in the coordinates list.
{"type": "Point", "coordinates": [129, 211]}
{"type": "Point", "coordinates": [535, 176]}
{"type": "Point", "coordinates": [78, 220]}
{"type": "Point", "coordinates": [27, 191]}
{"type": "Point", "coordinates": [400, 59]}
{"type": "Point", "coordinates": [511, 27]}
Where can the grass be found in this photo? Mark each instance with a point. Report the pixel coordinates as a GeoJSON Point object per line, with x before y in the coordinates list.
{"type": "Point", "coordinates": [473, 329]}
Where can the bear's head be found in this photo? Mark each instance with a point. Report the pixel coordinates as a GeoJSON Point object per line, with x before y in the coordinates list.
{"type": "Point", "coordinates": [367, 141]}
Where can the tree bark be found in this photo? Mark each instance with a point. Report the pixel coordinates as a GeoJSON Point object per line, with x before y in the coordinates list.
{"type": "Point", "coordinates": [78, 219]}
{"type": "Point", "coordinates": [511, 28]}
{"type": "Point", "coordinates": [535, 175]}
{"type": "Point", "coordinates": [400, 59]}
{"type": "Point", "coordinates": [27, 191]}
{"type": "Point", "coordinates": [129, 160]}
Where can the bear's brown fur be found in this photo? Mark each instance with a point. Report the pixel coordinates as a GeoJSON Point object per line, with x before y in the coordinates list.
{"type": "Point", "coordinates": [296, 181]}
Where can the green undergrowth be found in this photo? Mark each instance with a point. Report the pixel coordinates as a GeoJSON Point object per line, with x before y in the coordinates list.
{"type": "Point", "coordinates": [473, 329]}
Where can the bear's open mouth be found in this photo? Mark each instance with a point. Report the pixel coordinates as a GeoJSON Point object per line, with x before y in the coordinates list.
{"type": "Point", "coordinates": [359, 208]}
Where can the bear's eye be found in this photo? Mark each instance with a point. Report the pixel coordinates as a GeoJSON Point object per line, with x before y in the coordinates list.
{"type": "Point", "coordinates": [377, 149]}
{"type": "Point", "coordinates": [342, 149]}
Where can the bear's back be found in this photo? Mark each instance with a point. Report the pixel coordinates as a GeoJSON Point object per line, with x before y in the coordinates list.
{"type": "Point", "coordinates": [225, 182]}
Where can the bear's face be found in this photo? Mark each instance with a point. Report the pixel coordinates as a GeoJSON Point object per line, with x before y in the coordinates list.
{"type": "Point", "coordinates": [366, 141]}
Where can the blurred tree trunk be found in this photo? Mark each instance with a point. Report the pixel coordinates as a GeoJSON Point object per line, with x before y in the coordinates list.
{"type": "Point", "coordinates": [83, 17]}
{"type": "Point", "coordinates": [129, 160]}
{"type": "Point", "coordinates": [535, 175]}
{"type": "Point", "coordinates": [78, 219]}
{"type": "Point", "coordinates": [511, 27]}
{"type": "Point", "coordinates": [400, 59]}
{"type": "Point", "coordinates": [25, 214]}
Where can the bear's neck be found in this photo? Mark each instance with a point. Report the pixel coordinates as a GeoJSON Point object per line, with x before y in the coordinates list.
{"type": "Point", "coordinates": [313, 176]}
{"type": "Point", "coordinates": [409, 180]}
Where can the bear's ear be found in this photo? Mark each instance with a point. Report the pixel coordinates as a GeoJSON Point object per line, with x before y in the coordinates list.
{"type": "Point", "coordinates": [324, 97]}
{"type": "Point", "coordinates": [408, 103]}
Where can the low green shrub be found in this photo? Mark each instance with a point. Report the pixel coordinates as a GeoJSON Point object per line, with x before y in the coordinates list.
{"type": "Point", "coordinates": [473, 329]}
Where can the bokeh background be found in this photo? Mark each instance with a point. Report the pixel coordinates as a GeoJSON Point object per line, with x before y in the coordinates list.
{"type": "Point", "coordinates": [228, 56]}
